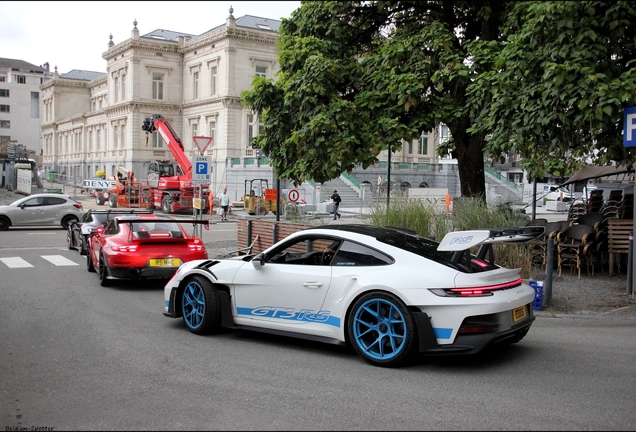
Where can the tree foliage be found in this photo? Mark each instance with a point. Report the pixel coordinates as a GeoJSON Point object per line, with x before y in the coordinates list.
{"type": "Point", "coordinates": [548, 80]}
{"type": "Point", "coordinates": [356, 78]}
{"type": "Point", "coordinates": [560, 84]}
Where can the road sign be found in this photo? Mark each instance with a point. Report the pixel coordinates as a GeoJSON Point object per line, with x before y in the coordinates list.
{"type": "Point", "coordinates": [270, 194]}
{"type": "Point", "coordinates": [202, 143]}
{"type": "Point", "coordinates": [201, 170]}
{"type": "Point", "coordinates": [629, 127]}
{"type": "Point", "coordinates": [293, 195]}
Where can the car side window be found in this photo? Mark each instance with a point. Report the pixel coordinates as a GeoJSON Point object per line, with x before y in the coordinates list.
{"type": "Point", "coordinates": [306, 251]}
{"type": "Point", "coordinates": [355, 254]}
{"type": "Point", "coordinates": [54, 201]}
{"type": "Point", "coordinates": [34, 202]}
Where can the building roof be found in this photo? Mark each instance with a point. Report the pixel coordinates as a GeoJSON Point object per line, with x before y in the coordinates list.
{"type": "Point", "coordinates": [20, 64]}
{"type": "Point", "coordinates": [258, 23]}
{"type": "Point", "coordinates": [167, 35]}
{"type": "Point", "coordinates": [82, 75]}
{"type": "Point", "coordinates": [246, 21]}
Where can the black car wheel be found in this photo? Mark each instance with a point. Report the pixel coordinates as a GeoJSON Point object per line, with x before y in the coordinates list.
{"type": "Point", "coordinates": [165, 205]}
{"type": "Point", "coordinates": [5, 223]}
{"type": "Point", "coordinates": [67, 221]}
{"type": "Point", "coordinates": [89, 263]}
{"type": "Point", "coordinates": [99, 199]}
{"type": "Point", "coordinates": [200, 306]}
{"type": "Point", "coordinates": [103, 271]}
{"type": "Point", "coordinates": [112, 201]}
{"type": "Point", "coordinates": [69, 238]}
{"type": "Point", "coordinates": [382, 330]}
{"type": "Point", "coordinates": [83, 244]}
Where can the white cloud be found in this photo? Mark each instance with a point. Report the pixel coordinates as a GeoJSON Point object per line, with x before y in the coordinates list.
{"type": "Point", "coordinates": [73, 35]}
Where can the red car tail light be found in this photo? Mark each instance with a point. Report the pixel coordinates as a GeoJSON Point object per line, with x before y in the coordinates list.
{"type": "Point", "coordinates": [480, 291]}
{"type": "Point", "coordinates": [194, 247]}
{"type": "Point", "coordinates": [78, 205]}
{"type": "Point", "coordinates": [127, 248]}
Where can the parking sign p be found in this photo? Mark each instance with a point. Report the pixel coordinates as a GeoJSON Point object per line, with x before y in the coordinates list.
{"type": "Point", "coordinates": [629, 127]}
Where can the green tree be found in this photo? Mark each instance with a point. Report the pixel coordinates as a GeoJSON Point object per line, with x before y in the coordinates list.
{"type": "Point", "coordinates": [560, 84]}
{"type": "Point", "coordinates": [358, 77]}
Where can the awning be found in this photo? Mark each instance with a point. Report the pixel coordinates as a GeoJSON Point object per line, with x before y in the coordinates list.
{"type": "Point", "coordinates": [591, 172]}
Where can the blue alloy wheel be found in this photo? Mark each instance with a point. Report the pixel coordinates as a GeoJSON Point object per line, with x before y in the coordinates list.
{"type": "Point", "coordinates": [200, 306]}
{"type": "Point", "coordinates": [193, 305]}
{"type": "Point", "coordinates": [382, 330]}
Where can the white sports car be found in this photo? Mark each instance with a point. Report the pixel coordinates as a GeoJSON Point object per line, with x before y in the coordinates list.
{"type": "Point", "coordinates": [386, 291]}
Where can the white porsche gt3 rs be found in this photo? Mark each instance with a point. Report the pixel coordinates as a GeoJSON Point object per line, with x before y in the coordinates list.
{"type": "Point", "coordinates": [386, 291]}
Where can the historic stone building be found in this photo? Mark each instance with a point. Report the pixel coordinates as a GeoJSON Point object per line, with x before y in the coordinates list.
{"type": "Point", "coordinates": [91, 122]}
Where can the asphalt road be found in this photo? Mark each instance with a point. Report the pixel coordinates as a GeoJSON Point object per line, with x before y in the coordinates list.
{"type": "Point", "coordinates": [78, 356]}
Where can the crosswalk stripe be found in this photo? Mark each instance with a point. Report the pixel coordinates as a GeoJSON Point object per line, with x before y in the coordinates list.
{"type": "Point", "coordinates": [59, 260]}
{"type": "Point", "coordinates": [18, 262]}
{"type": "Point", "coordinates": [15, 262]}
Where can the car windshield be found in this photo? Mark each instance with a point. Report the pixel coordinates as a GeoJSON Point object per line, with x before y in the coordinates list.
{"type": "Point", "coordinates": [102, 218]}
{"type": "Point", "coordinates": [155, 226]}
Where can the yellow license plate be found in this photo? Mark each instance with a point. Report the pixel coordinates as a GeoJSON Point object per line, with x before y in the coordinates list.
{"type": "Point", "coordinates": [519, 313]}
{"type": "Point", "coordinates": [165, 262]}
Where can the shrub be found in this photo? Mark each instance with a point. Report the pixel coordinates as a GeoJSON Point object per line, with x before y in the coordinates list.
{"type": "Point", "coordinates": [467, 214]}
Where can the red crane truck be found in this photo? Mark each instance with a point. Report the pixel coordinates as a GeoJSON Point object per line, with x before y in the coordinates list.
{"type": "Point", "coordinates": [170, 184]}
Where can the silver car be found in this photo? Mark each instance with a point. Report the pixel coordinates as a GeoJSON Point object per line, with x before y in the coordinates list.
{"type": "Point", "coordinates": [47, 209]}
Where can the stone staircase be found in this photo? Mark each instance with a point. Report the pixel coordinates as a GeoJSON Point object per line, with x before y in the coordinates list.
{"type": "Point", "coordinates": [348, 194]}
{"type": "Point", "coordinates": [501, 190]}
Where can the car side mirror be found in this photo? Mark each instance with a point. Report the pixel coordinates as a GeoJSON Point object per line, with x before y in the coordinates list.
{"type": "Point", "coordinates": [259, 260]}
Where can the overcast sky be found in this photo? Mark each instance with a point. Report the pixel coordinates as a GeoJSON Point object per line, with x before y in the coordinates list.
{"type": "Point", "coordinates": [73, 35]}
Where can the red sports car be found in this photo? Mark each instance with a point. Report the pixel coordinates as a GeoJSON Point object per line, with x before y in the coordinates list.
{"type": "Point", "coordinates": [142, 247]}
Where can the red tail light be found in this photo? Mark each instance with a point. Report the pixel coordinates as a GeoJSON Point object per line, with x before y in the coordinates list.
{"type": "Point", "coordinates": [78, 205]}
{"type": "Point", "coordinates": [196, 245]}
{"type": "Point", "coordinates": [127, 248]}
{"type": "Point", "coordinates": [480, 291]}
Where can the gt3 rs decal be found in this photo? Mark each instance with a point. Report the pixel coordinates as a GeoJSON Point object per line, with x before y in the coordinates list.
{"type": "Point", "coordinates": [303, 315]}
{"type": "Point", "coordinates": [461, 240]}
{"type": "Point", "coordinates": [308, 315]}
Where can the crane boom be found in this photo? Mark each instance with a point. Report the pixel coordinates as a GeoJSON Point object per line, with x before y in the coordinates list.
{"type": "Point", "coordinates": [170, 186]}
{"type": "Point", "coordinates": [158, 123]}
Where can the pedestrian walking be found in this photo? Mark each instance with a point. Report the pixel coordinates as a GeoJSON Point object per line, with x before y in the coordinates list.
{"type": "Point", "coordinates": [224, 198]}
{"type": "Point", "coordinates": [336, 203]}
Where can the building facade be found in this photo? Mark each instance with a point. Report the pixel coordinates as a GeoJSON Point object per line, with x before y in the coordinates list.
{"type": "Point", "coordinates": [20, 83]}
{"type": "Point", "coordinates": [91, 122]}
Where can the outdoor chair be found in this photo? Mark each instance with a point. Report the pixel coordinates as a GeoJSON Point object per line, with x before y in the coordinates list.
{"type": "Point", "coordinates": [574, 249]}
{"type": "Point", "coordinates": [576, 210]}
{"type": "Point", "coordinates": [539, 245]}
{"type": "Point", "coordinates": [595, 220]}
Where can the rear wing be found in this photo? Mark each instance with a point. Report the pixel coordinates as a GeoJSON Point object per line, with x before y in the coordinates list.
{"type": "Point", "coordinates": [460, 242]}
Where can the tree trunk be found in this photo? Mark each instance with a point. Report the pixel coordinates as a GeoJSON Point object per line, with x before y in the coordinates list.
{"type": "Point", "coordinates": [470, 158]}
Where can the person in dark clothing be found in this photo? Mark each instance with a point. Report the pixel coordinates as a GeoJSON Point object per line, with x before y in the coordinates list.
{"type": "Point", "coordinates": [336, 203]}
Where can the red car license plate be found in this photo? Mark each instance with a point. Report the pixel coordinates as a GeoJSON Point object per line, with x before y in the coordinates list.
{"type": "Point", "coordinates": [165, 262]}
{"type": "Point", "coordinates": [519, 313]}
